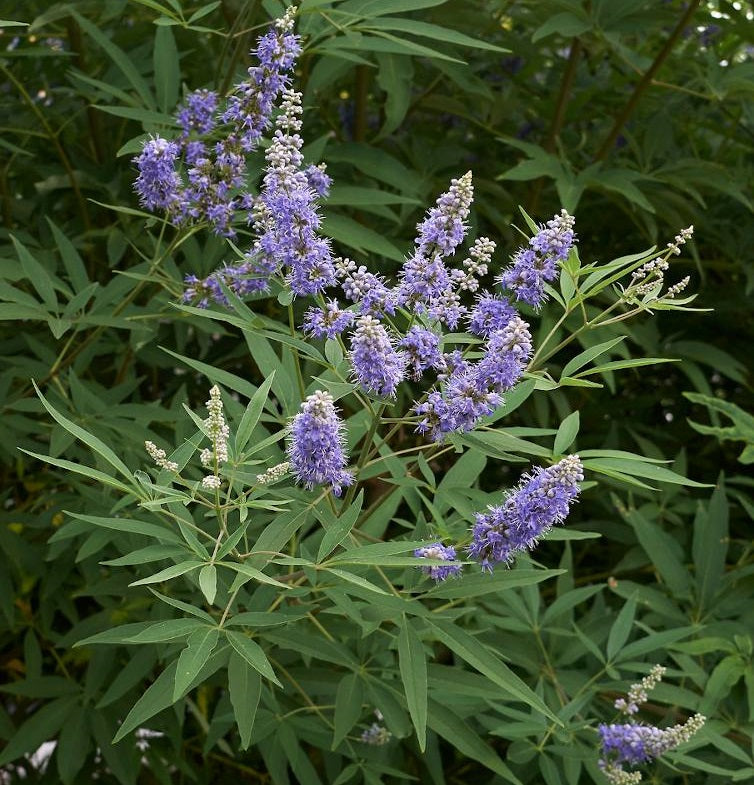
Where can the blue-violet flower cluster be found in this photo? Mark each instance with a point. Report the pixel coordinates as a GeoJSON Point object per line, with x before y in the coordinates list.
{"type": "Point", "coordinates": [536, 265]}
{"type": "Point", "coordinates": [437, 550]}
{"type": "Point", "coordinates": [316, 446]}
{"type": "Point", "coordinates": [542, 499]}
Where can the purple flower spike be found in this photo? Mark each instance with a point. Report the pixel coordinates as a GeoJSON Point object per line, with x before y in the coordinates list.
{"type": "Point", "coordinates": [489, 314]}
{"type": "Point", "coordinates": [327, 322]}
{"type": "Point", "coordinates": [251, 103]}
{"type": "Point", "coordinates": [508, 351]}
{"type": "Point", "coordinates": [439, 551]}
{"type": "Point", "coordinates": [158, 184]}
{"type": "Point", "coordinates": [316, 445]}
{"type": "Point", "coordinates": [286, 212]}
{"type": "Point", "coordinates": [534, 266]}
{"type": "Point", "coordinates": [422, 348]}
{"type": "Point", "coordinates": [425, 281]}
{"type": "Point", "coordinates": [541, 500]}
{"type": "Point", "coordinates": [197, 113]}
{"type": "Point", "coordinates": [634, 743]}
{"type": "Point", "coordinates": [377, 366]}
{"type": "Point", "coordinates": [444, 228]}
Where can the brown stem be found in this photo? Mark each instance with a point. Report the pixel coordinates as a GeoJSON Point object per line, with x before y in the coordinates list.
{"type": "Point", "coordinates": [92, 115]}
{"type": "Point", "coordinates": [559, 117]}
{"type": "Point", "coordinates": [645, 82]}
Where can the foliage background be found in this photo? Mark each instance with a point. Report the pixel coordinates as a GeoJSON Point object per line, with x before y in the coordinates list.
{"type": "Point", "coordinates": [637, 116]}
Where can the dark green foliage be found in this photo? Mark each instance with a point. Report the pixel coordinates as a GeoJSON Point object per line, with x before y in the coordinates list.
{"type": "Point", "coordinates": [637, 117]}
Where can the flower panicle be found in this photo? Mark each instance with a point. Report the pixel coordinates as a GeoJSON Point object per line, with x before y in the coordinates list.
{"type": "Point", "coordinates": [439, 572]}
{"type": "Point", "coordinates": [316, 445]}
{"type": "Point", "coordinates": [534, 266]}
{"type": "Point", "coordinates": [541, 500]}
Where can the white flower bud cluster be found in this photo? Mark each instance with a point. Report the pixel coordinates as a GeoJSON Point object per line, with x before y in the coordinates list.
{"type": "Point", "coordinates": [638, 692]}
{"type": "Point", "coordinates": [475, 265]}
{"type": "Point", "coordinates": [677, 288]}
{"type": "Point", "coordinates": [160, 457]}
{"type": "Point", "coordinates": [376, 734]}
{"type": "Point", "coordinates": [617, 776]}
{"type": "Point", "coordinates": [218, 433]}
{"type": "Point", "coordinates": [274, 473]}
{"type": "Point", "coordinates": [680, 239]}
{"type": "Point", "coordinates": [653, 273]}
{"type": "Point", "coordinates": [211, 482]}
{"type": "Point", "coordinates": [286, 21]}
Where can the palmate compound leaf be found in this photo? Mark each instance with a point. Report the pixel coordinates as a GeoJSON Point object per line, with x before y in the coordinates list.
{"type": "Point", "coordinates": [472, 651]}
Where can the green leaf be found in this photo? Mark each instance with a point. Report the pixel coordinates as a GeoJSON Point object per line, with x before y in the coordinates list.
{"type": "Point", "coordinates": [741, 430]}
{"type": "Point", "coordinates": [253, 654]}
{"type": "Point", "coordinates": [183, 606]}
{"type": "Point", "coordinates": [169, 573]}
{"type": "Point", "coordinates": [39, 728]}
{"type": "Point", "coordinates": [192, 659]}
{"type": "Point", "coordinates": [373, 8]}
{"type": "Point", "coordinates": [710, 546]}
{"type": "Point", "coordinates": [640, 469]}
{"type": "Point", "coordinates": [567, 24]}
{"type": "Point", "coordinates": [157, 697]}
{"type": "Point", "coordinates": [395, 78]}
{"type": "Point", "coordinates": [73, 745]}
{"type": "Point", "coordinates": [452, 728]}
{"type": "Point", "coordinates": [82, 469]}
{"type": "Point", "coordinates": [216, 375]}
{"type": "Point", "coordinates": [374, 553]}
{"type": "Point", "coordinates": [356, 580]}
{"type": "Point", "coordinates": [339, 529]}
{"type": "Point", "coordinates": [91, 441]}
{"type": "Point", "coordinates": [150, 553]}
{"type": "Point", "coordinates": [246, 572]}
{"type": "Point", "coordinates": [245, 687]}
{"type": "Point", "coordinates": [413, 667]}
{"type": "Point", "coordinates": [435, 32]}
{"type": "Point", "coordinates": [617, 365]}
{"type": "Point", "coordinates": [499, 443]}
{"type": "Point", "coordinates": [348, 700]}
{"type": "Point", "coordinates": [663, 552]}
{"type": "Point", "coordinates": [168, 630]}
{"type": "Point", "coordinates": [120, 634]}
{"type": "Point", "coordinates": [359, 237]}
{"type": "Point", "coordinates": [621, 629]}
{"type": "Point", "coordinates": [253, 413]}
{"type": "Point", "coordinates": [119, 57]}
{"type": "Point", "coordinates": [208, 582]}
{"type": "Point", "coordinates": [566, 434]}
{"type": "Point", "coordinates": [37, 275]}
{"type": "Point", "coordinates": [167, 72]}
{"type": "Point", "coordinates": [131, 526]}
{"type": "Point", "coordinates": [580, 360]}
{"type": "Point", "coordinates": [146, 117]}
{"type": "Point", "coordinates": [475, 654]}
{"type": "Point", "coordinates": [479, 584]}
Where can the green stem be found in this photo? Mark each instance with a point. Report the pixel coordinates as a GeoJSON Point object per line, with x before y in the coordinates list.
{"type": "Point", "coordinates": [364, 456]}
{"type": "Point", "coordinates": [294, 352]}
